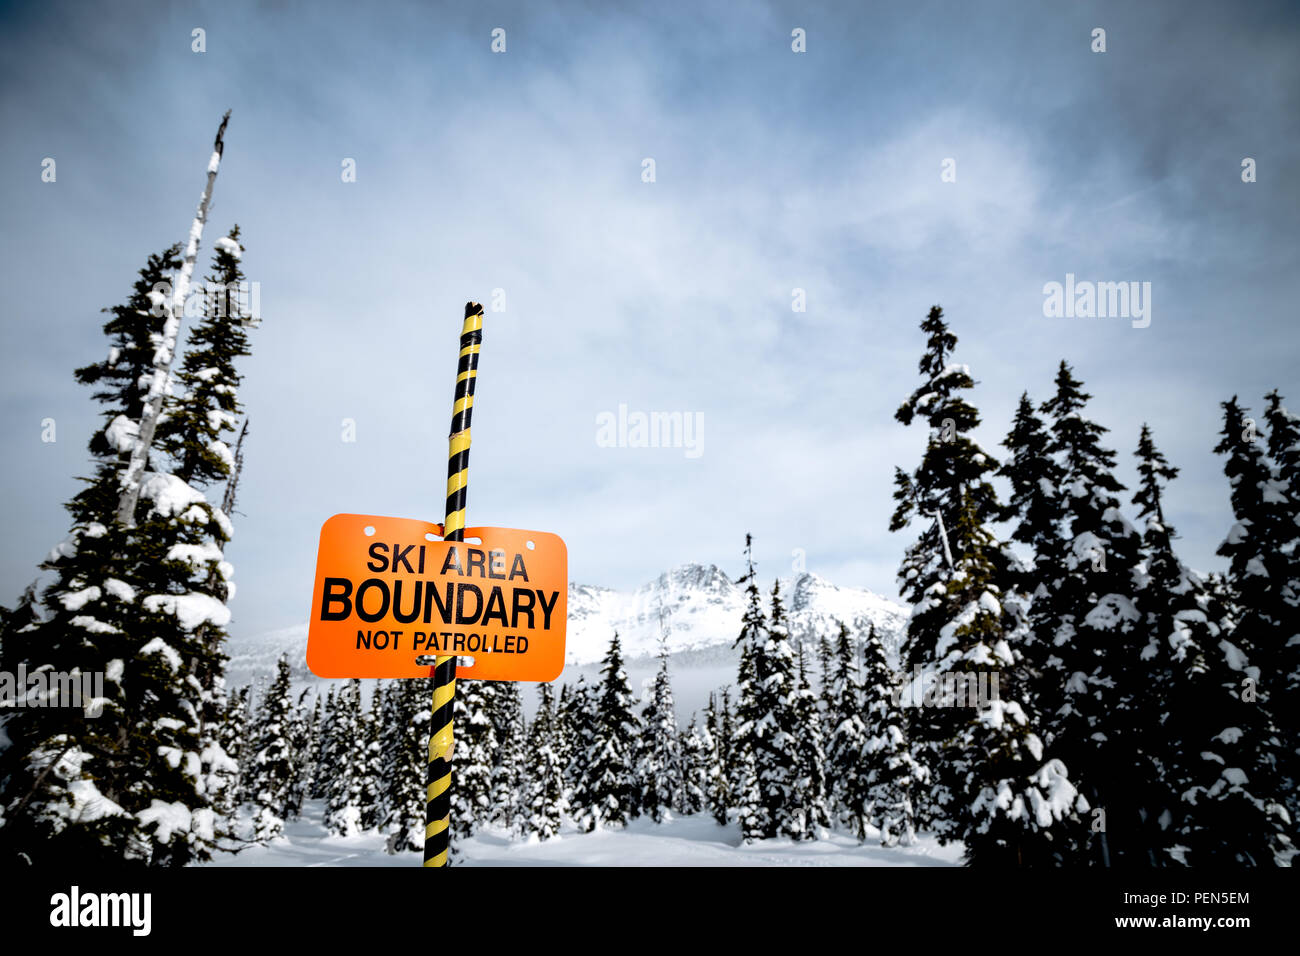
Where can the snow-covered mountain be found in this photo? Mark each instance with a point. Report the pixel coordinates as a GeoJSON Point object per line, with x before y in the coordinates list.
{"type": "Point", "coordinates": [696, 607]}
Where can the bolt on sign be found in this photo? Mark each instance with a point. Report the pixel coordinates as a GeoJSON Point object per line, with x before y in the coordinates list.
{"type": "Point", "coordinates": [390, 593]}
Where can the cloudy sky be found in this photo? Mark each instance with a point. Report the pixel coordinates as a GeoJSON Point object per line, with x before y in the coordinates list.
{"type": "Point", "coordinates": [775, 170]}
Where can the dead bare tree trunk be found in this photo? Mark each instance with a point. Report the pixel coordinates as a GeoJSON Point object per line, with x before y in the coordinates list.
{"type": "Point", "coordinates": [166, 351]}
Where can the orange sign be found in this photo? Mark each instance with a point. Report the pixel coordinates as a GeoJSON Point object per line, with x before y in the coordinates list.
{"type": "Point", "coordinates": [391, 595]}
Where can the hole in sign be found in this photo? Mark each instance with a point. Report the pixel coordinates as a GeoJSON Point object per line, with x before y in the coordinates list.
{"type": "Point", "coordinates": [425, 660]}
{"type": "Point", "coordinates": [370, 530]}
{"type": "Point", "coordinates": [430, 536]}
{"type": "Point", "coordinates": [531, 546]}
{"type": "Point", "coordinates": [474, 540]}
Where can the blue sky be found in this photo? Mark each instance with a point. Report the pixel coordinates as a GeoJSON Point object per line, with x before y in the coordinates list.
{"type": "Point", "coordinates": [521, 171]}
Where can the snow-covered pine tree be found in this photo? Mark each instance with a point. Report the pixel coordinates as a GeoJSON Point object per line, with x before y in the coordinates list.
{"type": "Point", "coordinates": [306, 732]}
{"type": "Point", "coordinates": [724, 734]}
{"type": "Point", "coordinates": [810, 779]}
{"type": "Point", "coordinates": [193, 433]}
{"type": "Point", "coordinates": [890, 775]}
{"type": "Point", "coordinates": [952, 466]}
{"type": "Point", "coordinates": [776, 731]}
{"type": "Point", "coordinates": [1037, 509]}
{"type": "Point", "coordinates": [1282, 656]}
{"type": "Point", "coordinates": [347, 770]}
{"type": "Point", "coordinates": [1213, 793]}
{"type": "Point", "coordinates": [406, 734]}
{"type": "Point", "coordinates": [751, 812]}
{"type": "Point", "coordinates": [273, 762]}
{"type": "Point", "coordinates": [579, 718]}
{"type": "Point", "coordinates": [695, 744]}
{"type": "Point", "coordinates": [563, 741]}
{"type": "Point", "coordinates": [320, 782]}
{"type": "Point", "coordinates": [64, 780]}
{"type": "Point", "coordinates": [544, 774]}
{"type": "Point", "coordinates": [121, 381]}
{"type": "Point", "coordinates": [658, 763]}
{"type": "Point", "coordinates": [477, 751]}
{"type": "Point", "coordinates": [234, 744]}
{"type": "Point", "coordinates": [717, 789]}
{"type": "Point", "coordinates": [507, 708]}
{"type": "Point", "coordinates": [826, 665]}
{"type": "Point", "coordinates": [612, 779]}
{"type": "Point", "coordinates": [847, 761]}
{"type": "Point", "coordinates": [1025, 807]}
{"type": "Point", "coordinates": [991, 786]}
{"type": "Point", "coordinates": [1236, 813]}
{"type": "Point", "coordinates": [221, 768]}
{"type": "Point", "coordinates": [183, 580]}
{"type": "Point", "coordinates": [198, 419]}
{"type": "Point", "coordinates": [1096, 678]}
{"type": "Point", "coordinates": [371, 758]}
{"type": "Point", "coordinates": [752, 808]}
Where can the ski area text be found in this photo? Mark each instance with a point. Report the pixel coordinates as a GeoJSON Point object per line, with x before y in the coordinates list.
{"type": "Point", "coordinates": [389, 594]}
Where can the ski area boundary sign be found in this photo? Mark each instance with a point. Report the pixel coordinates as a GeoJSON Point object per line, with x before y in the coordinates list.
{"type": "Point", "coordinates": [389, 592]}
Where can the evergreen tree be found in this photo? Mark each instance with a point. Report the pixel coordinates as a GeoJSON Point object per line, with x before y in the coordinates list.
{"type": "Point", "coordinates": [612, 777]}
{"type": "Point", "coordinates": [846, 759]}
{"type": "Point", "coordinates": [775, 732]}
{"type": "Point", "coordinates": [135, 597]}
{"type": "Point", "coordinates": [507, 707]}
{"type": "Point", "coordinates": [752, 807]}
{"type": "Point", "coordinates": [306, 731]}
{"type": "Point", "coordinates": [371, 800]}
{"type": "Point", "coordinates": [197, 420]}
{"type": "Point", "coordinates": [725, 735]}
{"type": "Point", "coordinates": [890, 775]}
{"type": "Point", "coordinates": [826, 698]}
{"type": "Point", "coordinates": [406, 714]}
{"type": "Point", "coordinates": [810, 780]}
{"type": "Point", "coordinates": [1037, 508]}
{"type": "Point", "coordinates": [1097, 671]}
{"type": "Point", "coordinates": [717, 789]}
{"type": "Point", "coordinates": [477, 750]}
{"type": "Point", "coordinates": [579, 719]}
{"type": "Point", "coordinates": [1280, 655]}
{"type": "Point", "coordinates": [323, 747]}
{"type": "Point", "coordinates": [696, 745]}
{"type": "Point", "coordinates": [659, 757]}
{"type": "Point", "coordinates": [273, 764]}
{"type": "Point", "coordinates": [991, 787]}
{"type": "Point", "coordinates": [545, 774]}
{"type": "Point", "coordinates": [221, 782]}
{"type": "Point", "coordinates": [952, 467]}
{"type": "Point", "coordinates": [347, 770]}
{"type": "Point", "coordinates": [177, 566]}
{"type": "Point", "coordinates": [72, 788]}
{"type": "Point", "coordinates": [563, 742]}
{"type": "Point", "coordinates": [751, 811]}
{"type": "Point", "coordinates": [1237, 816]}
{"type": "Point", "coordinates": [233, 739]}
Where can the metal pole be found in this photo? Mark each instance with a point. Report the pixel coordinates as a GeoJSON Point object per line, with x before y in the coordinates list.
{"type": "Point", "coordinates": [437, 808]}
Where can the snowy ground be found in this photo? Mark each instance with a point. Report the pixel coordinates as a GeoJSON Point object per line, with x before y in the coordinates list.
{"type": "Point", "coordinates": [689, 841]}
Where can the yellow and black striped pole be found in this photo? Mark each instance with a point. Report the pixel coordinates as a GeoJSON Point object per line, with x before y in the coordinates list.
{"type": "Point", "coordinates": [437, 807]}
